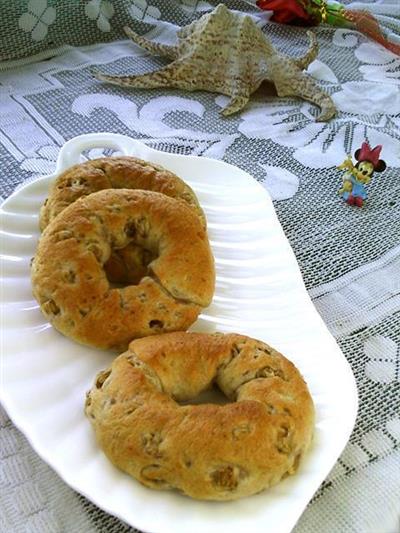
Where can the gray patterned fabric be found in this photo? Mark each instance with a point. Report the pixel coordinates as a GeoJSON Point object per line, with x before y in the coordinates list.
{"type": "Point", "coordinates": [30, 27]}
{"type": "Point", "coordinates": [349, 257]}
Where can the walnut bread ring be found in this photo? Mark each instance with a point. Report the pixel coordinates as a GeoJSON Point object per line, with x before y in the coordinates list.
{"type": "Point", "coordinates": [122, 172]}
{"type": "Point", "coordinates": [71, 286]}
{"type": "Point", "coordinates": [125, 172]}
{"type": "Point", "coordinates": [206, 451]}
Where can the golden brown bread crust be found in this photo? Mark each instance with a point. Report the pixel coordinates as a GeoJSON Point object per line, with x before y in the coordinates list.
{"type": "Point", "coordinates": [71, 286]}
{"type": "Point", "coordinates": [208, 451]}
{"type": "Point", "coordinates": [122, 172]}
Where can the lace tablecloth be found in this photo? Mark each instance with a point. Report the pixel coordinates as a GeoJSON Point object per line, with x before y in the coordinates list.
{"type": "Point", "coordinates": [349, 257]}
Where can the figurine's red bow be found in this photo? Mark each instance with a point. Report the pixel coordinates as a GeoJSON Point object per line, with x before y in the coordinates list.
{"type": "Point", "coordinates": [368, 154]}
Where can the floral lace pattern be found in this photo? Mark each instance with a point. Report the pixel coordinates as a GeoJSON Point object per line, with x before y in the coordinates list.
{"type": "Point", "coordinates": [101, 11]}
{"type": "Point", "coordinates": [37, 19]}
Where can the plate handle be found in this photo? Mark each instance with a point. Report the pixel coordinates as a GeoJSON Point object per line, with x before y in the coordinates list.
{"type": "Point", "coordinates": [70, 153]}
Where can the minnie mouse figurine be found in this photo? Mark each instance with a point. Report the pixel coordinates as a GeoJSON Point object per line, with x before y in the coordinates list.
{"type": "Point", "coordinates": [353, 190]}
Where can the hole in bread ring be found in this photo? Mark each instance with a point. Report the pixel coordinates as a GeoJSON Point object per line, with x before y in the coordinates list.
{"type": "Point", "coordinates": [205, 450]}
{"type": "Point", "coordinates": [128, 265]}
{"type": "Point", "coordinates": [167, 294]}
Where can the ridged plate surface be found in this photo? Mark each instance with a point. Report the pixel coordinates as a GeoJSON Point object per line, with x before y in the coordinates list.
{"type": "Point", "coordinates": [259, 292]}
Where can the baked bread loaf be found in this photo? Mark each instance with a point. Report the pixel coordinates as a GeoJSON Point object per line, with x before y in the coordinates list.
{"type": "Point", "coordinates": [123, 265]}
{"type": "Point", "coordinates": [71, 286]}
{"type": "Point", "coordinates": [206, 451]}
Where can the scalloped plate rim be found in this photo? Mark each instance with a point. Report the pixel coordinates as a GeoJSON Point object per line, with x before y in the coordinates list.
{"type": "Point", "coordinates": [23, 424]}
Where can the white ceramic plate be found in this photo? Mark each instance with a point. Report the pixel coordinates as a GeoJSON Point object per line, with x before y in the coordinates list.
{"type": "Point", "coordinates": [259, 292]}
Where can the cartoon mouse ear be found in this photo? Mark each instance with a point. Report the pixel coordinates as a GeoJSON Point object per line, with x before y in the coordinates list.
{"type": "Point", "coordinates": [380, 167]}
{"type": "Point", "coordinates": [357, 153]}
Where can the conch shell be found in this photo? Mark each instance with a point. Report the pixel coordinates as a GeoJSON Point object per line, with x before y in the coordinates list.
{"type": "Point", "coordinates": [226, 52]}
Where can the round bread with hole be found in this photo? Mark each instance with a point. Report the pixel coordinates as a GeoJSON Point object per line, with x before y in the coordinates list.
{"type": "Point", "coordinates": [71, 285]}
{"type": "Point", "coordinates": [143, 420]}
{"type": "Point", "coordinates": [125, 172]}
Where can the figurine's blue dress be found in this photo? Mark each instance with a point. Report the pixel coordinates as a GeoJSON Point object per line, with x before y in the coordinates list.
{"type": "Point", "coordinates": [358, 190]}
